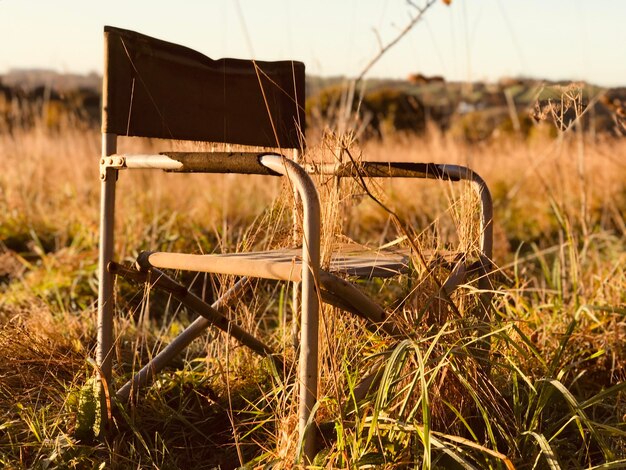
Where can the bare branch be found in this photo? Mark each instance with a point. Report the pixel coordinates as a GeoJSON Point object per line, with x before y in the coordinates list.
{"type": "Point", "coordinates": [414, 20]}
{"type": "Point", "coordinates": [411, 3]}
{"type": "Point", "coordinates": [378, 38]}
{"type": "Point", "coordinates": [417, 7]}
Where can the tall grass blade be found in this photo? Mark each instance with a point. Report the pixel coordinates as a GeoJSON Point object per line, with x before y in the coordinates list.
{"type": "Point", "coordinates": [546, 450]}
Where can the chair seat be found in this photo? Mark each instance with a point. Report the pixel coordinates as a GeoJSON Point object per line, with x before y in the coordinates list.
{"type": "Point", "coordinates": [284, 264]}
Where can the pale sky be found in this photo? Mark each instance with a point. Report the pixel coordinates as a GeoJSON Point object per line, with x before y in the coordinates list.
{"type": "Point", "coordinates": [468, 40]}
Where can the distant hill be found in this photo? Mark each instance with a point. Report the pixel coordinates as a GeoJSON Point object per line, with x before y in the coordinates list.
{"type": "Point", "coordinates": [472, 111]}
{"type": "Point", "coordinates": [28, 79]}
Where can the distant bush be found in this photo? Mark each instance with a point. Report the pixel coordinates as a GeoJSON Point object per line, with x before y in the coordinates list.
{"type": "Point", "coordinates": [473, 113]}
{"type": "Point", "coordinates": [381, 112]}
{"type": "Point", "coordinates": [42, 105]}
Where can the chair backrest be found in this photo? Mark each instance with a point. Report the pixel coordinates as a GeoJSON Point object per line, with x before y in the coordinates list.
{"type": "Point", "coordinates": [158, 89]}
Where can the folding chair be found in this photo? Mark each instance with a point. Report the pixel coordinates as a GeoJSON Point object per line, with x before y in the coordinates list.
{"type": "Point", "coordinates": [157, 89]}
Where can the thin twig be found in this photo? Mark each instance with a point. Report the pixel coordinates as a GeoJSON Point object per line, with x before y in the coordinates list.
{"type": "Point", "coordinates": [414, 20]}
{"type": "Point", "coordinates": [378, 38]}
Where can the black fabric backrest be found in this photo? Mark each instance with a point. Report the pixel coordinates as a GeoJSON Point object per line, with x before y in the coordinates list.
{"type": "Point", "coordinates": [154, 88]}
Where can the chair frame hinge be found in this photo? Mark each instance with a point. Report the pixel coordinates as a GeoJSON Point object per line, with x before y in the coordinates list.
{"type": "Point", "coordinates": [116, 162]}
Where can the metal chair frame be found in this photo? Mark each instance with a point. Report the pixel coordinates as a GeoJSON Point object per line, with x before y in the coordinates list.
{"type": "Point", "coordinates": [315, 284]}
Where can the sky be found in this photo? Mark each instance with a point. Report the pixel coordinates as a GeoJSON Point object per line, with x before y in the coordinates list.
{"type": "Point", "coordinates": [467, 40]}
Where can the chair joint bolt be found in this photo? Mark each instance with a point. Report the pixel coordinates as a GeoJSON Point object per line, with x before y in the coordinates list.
{"type": "Point", "coordinates": [117, 162]}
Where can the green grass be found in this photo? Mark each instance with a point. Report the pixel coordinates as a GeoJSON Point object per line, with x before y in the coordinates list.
{"type": "Point", "coordinates": [554, 396]}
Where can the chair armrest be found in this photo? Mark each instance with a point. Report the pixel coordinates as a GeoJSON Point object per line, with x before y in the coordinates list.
{"type": "Point", "coordinates": [423, 170]}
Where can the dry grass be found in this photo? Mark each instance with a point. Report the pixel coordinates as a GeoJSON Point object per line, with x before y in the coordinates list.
{"type": "Point", "coordinates": [555, 395]}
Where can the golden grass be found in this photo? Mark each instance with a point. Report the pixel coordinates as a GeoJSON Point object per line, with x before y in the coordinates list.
{"type": "Point", "coordinates": [559, 308]}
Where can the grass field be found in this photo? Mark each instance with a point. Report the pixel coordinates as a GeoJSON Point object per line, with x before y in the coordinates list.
{"type": "Point", "coordinates": [555, 395]}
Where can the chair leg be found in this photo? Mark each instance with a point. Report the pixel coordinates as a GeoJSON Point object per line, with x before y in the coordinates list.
{"type": "Point", "coordinates": [104, 351]}
{"type": "Point", "coordinates": [105, 290]}
{"type": "Point", "coordinates": [308, 357]}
